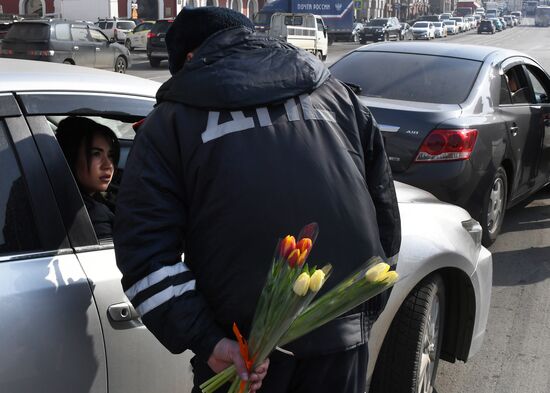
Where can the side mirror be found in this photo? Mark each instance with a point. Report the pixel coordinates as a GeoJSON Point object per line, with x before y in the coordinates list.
{"type": "Point", "coordinates": [112, 40]}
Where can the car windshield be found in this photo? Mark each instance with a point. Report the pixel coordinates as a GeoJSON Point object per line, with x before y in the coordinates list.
{"type": "Point", "coordinates": [438, 24]}
{"type": "Point", "coordinates": [125, 25]}
{"type": "Point", "coordinates": [377, 22]}
{"type": "Point", "coordinates": [409, 77]}
{"type": "Point", "coordinates": [421, 24]}
{"type": "Point", "coordinates": [28, 31]}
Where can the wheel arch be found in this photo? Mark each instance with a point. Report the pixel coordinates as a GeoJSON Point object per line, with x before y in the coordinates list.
{"type": "Point", "coordinates": [460, 315]}
{"type": "Point", "coordinates": [509, 169]}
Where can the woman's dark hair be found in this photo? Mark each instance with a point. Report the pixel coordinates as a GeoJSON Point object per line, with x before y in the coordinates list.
{"type": "Point", "coordinates": [72, 131]}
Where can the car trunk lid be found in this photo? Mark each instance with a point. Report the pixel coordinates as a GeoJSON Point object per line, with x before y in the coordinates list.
{"type": "Point", "coordinates": [405, 125]}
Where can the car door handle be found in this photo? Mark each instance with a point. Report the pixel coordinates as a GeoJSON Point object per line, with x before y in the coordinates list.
{"type": "Point", "coordinates": [76, 47]}
{"type": "Point", "coordinates": [122, 312]}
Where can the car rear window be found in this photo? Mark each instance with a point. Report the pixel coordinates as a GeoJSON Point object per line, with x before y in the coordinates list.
{"type": "Point", "coordinates": [378, 22]}
{"type": "Point", "coordinates": [125, 25]}
{"type": "Point", "coordinates": [28, 31]}
{"type": "Point", "coordinates": [409, 77]}
{"type": "Point", "coordinates": [421, 24]}
{"type": "Point", "coordinates": [161, 26]}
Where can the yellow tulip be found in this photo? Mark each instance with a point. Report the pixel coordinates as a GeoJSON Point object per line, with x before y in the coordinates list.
{"type": "Point", "coordinates": [390, 277]}
{"type": "Point", "coordinates": [377, 272]}
{"type": "Point", "coordinates": [317, 280]}
{"type": "Point", "coordinates": [301, 285]}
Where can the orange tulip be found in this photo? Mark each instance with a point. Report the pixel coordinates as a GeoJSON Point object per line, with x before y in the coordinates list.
{"type": "Point", "coordinates": [294, 257]}
{"type": "Point", "coordinates": [304, 244]}
{"type": "Point", "coordinates": [288, 244]}
{"type": "Point", "coordinates": [302, 258]}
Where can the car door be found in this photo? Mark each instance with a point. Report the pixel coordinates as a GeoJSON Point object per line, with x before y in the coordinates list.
{"type": "Point", "coordinates": [83, 46]}
{"type": "Point", "coordinates": [104, 51]}
{"type": "Point", "coordinates": [141, 36]}
{"type": "Point", "coordinates": [540, 110]}
{"type": "Point", "coordinates": [137, 362]}
{"type": "Point", "coordinates": [51, 336]}
{"type": "Point", "coordinates": [516, 107]}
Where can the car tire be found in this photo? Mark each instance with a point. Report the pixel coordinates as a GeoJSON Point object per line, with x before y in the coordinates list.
{"type": "Point", "coordinates": [121, 64]}
{"type": "Point", "coordinates": [67, 61]}
{"type": "Point", "coordinates": [494, 207]}
{"type": "Point", "coordinates": [128, 45]}
{"type": "Point", "coordinates": [155, 63]}
{"type": "Point", "coordinates": [362, 41]}
{"type": "Point", "coordinates": [409, 356]}
{"type": "Point", "coordinates": [319, 55]}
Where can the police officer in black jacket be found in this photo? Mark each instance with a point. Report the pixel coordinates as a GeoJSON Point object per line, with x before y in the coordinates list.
{"type": "Point", "coordinates": [250, 140]}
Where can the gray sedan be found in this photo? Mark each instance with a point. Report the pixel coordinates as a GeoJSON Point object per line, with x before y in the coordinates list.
{"type": "Point", "coordinates": [66, 324]}
{"type": "Point", "coordinates": [63, 41]}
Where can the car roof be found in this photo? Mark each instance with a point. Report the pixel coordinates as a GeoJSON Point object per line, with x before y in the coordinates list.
{"type": "Point", "coordinates": [28, 75]}
{"type": "Point", "coordinates": [472, 52]}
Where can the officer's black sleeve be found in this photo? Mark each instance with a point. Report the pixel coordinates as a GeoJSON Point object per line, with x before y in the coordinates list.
{"type": "Point", "coordinates": [380, 183]}
{"type": "Point", "coordinates": [382, 190]}
{"type": "Point", "coordinates": [150, 224]}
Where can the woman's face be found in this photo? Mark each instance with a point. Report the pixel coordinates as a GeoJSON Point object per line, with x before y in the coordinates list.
{"type": "Point", "coordinates": [97, 176]}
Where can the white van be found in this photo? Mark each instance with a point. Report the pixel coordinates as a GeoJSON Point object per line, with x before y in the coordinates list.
{"type": "Point", "coordinates": [306, 31]}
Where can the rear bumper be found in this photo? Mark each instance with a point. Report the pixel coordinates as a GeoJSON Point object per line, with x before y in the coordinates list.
{"type": "Point", "coordinates": [456, 182]}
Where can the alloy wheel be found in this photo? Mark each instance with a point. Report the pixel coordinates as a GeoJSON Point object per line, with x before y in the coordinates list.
{"type": "Point", "coordinates": [496, 205]}
{"type": "Point", "coordinates": [120, 65]}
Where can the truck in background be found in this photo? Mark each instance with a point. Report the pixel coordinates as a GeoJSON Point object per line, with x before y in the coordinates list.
{"type": "Point", "coordinates": [306, 31]}
{"type": "Point", "coordinates": [464, 8]}
{"type": "Point", "coordinates": [530, 7]}
{"type": "Point", "coordinates": [492, 9]}
{"type": "Point", "coordinates": [337, 15]}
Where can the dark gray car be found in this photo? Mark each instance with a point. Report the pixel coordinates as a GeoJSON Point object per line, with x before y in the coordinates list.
{"type": "Point", "coordinates": [470, 124]}
{"type": "Point", "coordinates": [62, 41]}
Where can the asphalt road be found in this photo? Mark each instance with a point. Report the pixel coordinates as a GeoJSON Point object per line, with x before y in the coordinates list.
{"type": "Point", "coordinates": [515, 357]}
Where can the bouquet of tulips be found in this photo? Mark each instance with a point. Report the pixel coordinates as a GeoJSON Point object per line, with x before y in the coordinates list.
{"type": "Point", "coordinates": [284, 312]}
{"type": "Point", "coordinates": [290, 286]}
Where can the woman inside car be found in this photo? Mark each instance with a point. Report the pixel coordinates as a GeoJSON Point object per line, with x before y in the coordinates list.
{"type": "Point", "coordinates": [92, 151]}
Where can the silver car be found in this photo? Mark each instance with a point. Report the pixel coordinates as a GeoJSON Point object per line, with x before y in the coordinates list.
{"type": "Point", "coordinates": [66, 324]}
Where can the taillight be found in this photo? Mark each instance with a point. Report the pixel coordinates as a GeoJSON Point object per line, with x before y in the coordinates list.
{"type": "Point", "coordinates": [7, 51]}
{"type": "Point", "coordinates": [151, 35]}
{"type": "Point", "coordinates": [447, 145]}
{"type": "Point", "coordinates": [43, 53]}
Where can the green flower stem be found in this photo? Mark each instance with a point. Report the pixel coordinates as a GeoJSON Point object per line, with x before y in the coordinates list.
{"type": "Point", "coordinates": [219, 380]}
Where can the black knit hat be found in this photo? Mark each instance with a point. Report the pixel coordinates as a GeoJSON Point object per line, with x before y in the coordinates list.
{"type": "Point", "coordinates": [194, 25]}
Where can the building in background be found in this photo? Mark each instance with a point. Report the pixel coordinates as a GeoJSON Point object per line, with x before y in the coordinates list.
{"type": "Point", "coordinates": [93, 9]}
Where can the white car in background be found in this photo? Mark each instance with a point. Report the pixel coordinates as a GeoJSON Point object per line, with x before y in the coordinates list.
{"type": "Point", "coordinates": [450, 26]}
{"type": "Point", "coordinates": [423, 30]}
{"type": "Point", "coordinates": [472, 23]}
{"type": "Point", "coordinates": [461, 25]}
{"type": "Point", "coordinates": [440, 30]}
{"type": "Point", "coordinates": [116, 29]}
{"type": "Point", "coordinates": [89, 338]}
{"type": "Point", "coordinates": [137, 38]}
